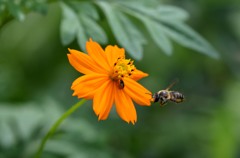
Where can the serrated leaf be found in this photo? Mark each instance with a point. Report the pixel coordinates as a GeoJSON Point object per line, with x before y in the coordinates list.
{"type": "Point", "coordinates": [148, 3]}
{"type": "Point", "coordinates": [170, 12]}
{"type": "Point", "coordinates": [80, 25]}
{"type": "Point", "coordinates": [125, 32]}
{"type": "Point", "coordinates": [85, 8]}
{"type": "Point", "coordinates": [93, 30]}
{"type": "Point", "coordinates": [68, 25]}
{"type": "Point", "coordinates": [172, 25]}
{"type": "Point", "coordinates": [88, 28]}
{"type": "Point", "coordinates": [133, 8]}
{"type": "Point", "coordinates": [71, 27]}
{"type": "Point", "coordinates": [161, 12]}
{"type": "Point", "coordinates": [157, 33]}
{"type": "Point", "coordinates": [187, 37]}
{"type": "Point", "coordinates": [81, 35]}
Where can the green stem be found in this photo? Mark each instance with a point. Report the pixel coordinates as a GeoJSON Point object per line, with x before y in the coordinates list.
{"type": "Point", "coordinates": [55, 126]}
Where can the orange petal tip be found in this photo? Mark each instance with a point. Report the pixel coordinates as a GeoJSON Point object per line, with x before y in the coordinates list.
{"type": "Point", "coordinates": [69, 49]}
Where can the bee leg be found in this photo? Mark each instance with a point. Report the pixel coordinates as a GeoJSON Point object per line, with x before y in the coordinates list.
{"type": "Point", "coordinates": [163, 101]}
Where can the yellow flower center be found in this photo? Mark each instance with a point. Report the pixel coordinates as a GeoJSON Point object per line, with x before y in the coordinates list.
{"type": "Point", "coordinates": [122, 68]}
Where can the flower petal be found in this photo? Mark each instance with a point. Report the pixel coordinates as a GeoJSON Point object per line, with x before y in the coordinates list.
{"type": "Point", "coordinates": [85, 86]}
{"type": "Point", "coordinates": [137, 75]}
{"type": "Point", "coordinates": [113, 53]}
{"type": "Point", "coordinates": [125, 107]}
{"type": "Point", "coordinates": [137, 92]}
{"type": "Point", "coordinates": [96, 52]}
{"type": "Point", "coordinates": [103, 100]}
{"type": "Point", "coordinates": [82, 62]}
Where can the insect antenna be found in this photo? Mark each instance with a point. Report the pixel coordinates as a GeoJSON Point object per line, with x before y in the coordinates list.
{"type": "Point", "coordinates": [148, 93]}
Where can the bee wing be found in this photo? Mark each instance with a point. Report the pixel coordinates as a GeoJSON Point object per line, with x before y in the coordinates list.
{"type": "Point", "coordinates": [170, 86]}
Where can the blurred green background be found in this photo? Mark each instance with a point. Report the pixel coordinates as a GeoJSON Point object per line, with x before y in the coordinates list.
{"type": "Point", "coordinates": [35, 80]}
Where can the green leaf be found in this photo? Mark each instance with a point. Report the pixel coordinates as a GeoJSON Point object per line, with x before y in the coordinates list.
{"type": "Point", "coordinates": [18, 119]}
{"type": "Point", "coordinates": [88, 28]}
{"type": "Point", "coordinates": [187, 37]}
{"type": "Point", "coordinates": [93, 30]}
{"type": "Point", "coordinates": [157, 33]}
{"type": "Point", "coordinates": [81, 35]}
{"type": "Point", "coordinates": [168, 21]}
{"type": "Point", "coordinates": [160, 12]}
{"type": "Point", "coordinates": [7, 138]}
{"type": "Point", "coordinates": [80, 25]}
{"type": "Point", "coordinates": [39, 7]}
{"type": "Point", "coordinates": [124, 31]}
{"type": "Point", "coordinates": [68, 25]}
{"type": "Point", "coordinates": [166, 12]}
{"type": "Point", "coordinates": [86, 8]}
{"type": "Point", "coordinates": [15, 10]}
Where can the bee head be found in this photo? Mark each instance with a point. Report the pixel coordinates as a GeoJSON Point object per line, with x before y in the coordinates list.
{"type": "Point", "coordinates": [155, 97]}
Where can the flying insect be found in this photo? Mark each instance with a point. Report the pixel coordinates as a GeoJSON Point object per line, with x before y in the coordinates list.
{"type": "Point", "coordinates": [163, 96]}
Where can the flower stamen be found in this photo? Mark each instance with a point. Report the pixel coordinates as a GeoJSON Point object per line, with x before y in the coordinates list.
{"type": "Point", "coordinates": [122, 68]}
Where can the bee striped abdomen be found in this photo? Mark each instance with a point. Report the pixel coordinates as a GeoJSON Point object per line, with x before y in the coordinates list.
{"type": "Point", "coordinates": [176, 97]}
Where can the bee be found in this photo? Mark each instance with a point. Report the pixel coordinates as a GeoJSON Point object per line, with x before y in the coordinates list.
{"type": "Point", "coordinates": [163, 96]}
{"type": "Point", "coordinates": [120, 84]}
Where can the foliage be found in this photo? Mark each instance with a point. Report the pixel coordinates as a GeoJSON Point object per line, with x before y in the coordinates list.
{"type": "Point", "coordinates": [23, 127]}
{"type": "Point", "coordinates": [80, 21]}
{"type": "Point", "coordinates": [33, 65]}
{"type": "Point", "coordinates": [18, 9]}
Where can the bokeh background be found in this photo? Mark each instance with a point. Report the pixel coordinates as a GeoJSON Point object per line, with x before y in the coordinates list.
{"type": "Point", "coordinates": [35, 80]}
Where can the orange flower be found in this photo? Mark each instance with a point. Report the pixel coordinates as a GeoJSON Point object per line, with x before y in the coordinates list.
{"type": "Point", "coordinates": [109, 78]}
